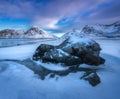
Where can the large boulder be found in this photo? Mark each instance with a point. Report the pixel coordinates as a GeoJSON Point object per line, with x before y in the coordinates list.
{"type": "Point", "coordinates": [72, 51]}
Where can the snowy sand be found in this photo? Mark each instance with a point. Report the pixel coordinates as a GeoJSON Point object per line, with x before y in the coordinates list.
{"type": "Point", "coordinates": [18, 82]}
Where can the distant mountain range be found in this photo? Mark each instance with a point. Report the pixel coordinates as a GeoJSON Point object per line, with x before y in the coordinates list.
{"type": "Point", "coordinates": [33, 32]}
{"type": "Point", "coordinates": [92, 31]}
{"type": "Point", "coordinates": [111, 30]}
{"type": "Point", "coordinates": [98, 30]}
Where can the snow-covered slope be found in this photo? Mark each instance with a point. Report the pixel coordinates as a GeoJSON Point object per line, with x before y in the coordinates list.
{"type": "Point", "coordinates": [33, 32]}
{"type": "Point", "coordinates": [99, 30]}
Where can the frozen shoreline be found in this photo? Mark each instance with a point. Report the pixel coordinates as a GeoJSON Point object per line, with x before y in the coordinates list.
{"type": "Point", "coordinates": [19, 82]}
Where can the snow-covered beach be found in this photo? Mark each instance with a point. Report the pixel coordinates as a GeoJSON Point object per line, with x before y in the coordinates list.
{"type": "Point", "coordinates": [19, 82]}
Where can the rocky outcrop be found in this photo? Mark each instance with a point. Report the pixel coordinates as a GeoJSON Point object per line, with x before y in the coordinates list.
{"type": "Point", "coordinates": [73, 51]}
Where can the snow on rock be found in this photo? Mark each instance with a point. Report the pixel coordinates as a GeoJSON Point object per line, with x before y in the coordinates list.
{"type": "Point", "coordinates": [51, 66]}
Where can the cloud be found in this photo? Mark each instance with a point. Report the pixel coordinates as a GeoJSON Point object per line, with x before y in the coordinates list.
{"type": "Point", "coordinates": [109, 12]}
{"type": "Point", "coordinates": [56, 11]}
{"type": "Point", "coordinates": [45, 22]}
{"type": "Point", "coordinates": [105, 13]}
{"type": "Point", "coordinates": [61, 14]}
{"type": "Point", "coordinates": [19, 10]}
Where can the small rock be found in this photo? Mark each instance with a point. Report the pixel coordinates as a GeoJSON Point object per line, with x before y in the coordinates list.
{"type": "Point", "coordinates": [92, 78]}
{"type": "Point", "coordinates": [52, 75]}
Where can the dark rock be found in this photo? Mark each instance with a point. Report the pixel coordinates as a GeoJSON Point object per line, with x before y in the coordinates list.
{"type": "Point", "coordinates": [72, 61]}
{"type": "Point", "coordinates": [70, 54]}
{"type": "Point", "coordinates": [52, 75]}
{"type": "Point", "coordinates": [92, 59]}
{"type": "Point", "coordinates": [39, 53]}
{"type": "Point", "coordinates": [78, 48]}
{"type": "Point", "coordinates": [92, 78]}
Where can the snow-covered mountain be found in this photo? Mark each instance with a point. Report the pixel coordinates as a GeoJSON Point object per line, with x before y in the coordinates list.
{"type": "Point", "coordinates": [10, 33]}
{"type": "Point", "coordinates": [99, 30]}
{"type": "Point", "coordinates": [33, 32]}
{"type": "Point", "coordinates": [36, 32]}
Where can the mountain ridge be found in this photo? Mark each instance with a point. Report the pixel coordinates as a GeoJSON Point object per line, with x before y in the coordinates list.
{"type": "Point", "coordinates": [97, 31]}
{"type": "Point", "coordinates": [33, 32]}
{"type": "Point", "coordinates": [100, 30]}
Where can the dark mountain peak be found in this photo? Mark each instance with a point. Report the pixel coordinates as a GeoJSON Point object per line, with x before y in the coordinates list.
{"type": "Point", "coordinates": [35, 28]}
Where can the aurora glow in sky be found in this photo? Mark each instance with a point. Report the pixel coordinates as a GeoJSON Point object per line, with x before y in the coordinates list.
{"type": "Point", "coordinates": [57, 15]}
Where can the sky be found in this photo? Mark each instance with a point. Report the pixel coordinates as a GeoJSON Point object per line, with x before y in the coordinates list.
{"type": "Point", "coordinates": [57, 16]}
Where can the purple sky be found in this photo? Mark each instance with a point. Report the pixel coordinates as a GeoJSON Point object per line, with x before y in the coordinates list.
{"type": "Point", "coordinates": [57, 15]}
